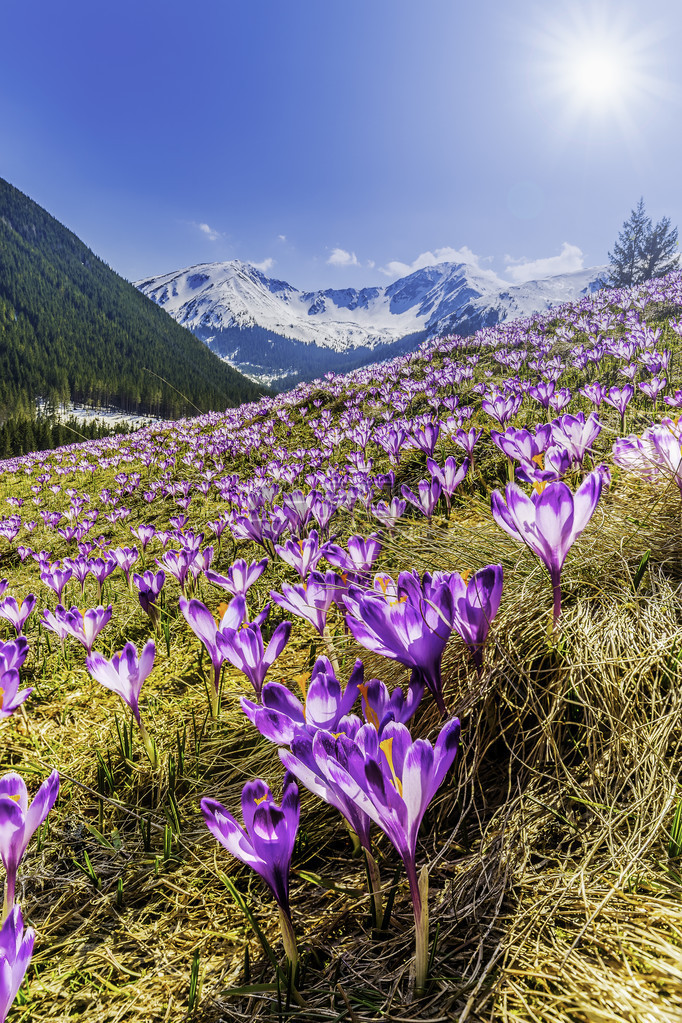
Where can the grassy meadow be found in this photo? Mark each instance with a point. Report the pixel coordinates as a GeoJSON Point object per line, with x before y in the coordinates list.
{"type": "Point", "coordinates": [553, 846]}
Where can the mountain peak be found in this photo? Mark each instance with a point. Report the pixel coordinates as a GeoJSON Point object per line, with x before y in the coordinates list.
{"type": "Point", "coordinates": [269, 329]}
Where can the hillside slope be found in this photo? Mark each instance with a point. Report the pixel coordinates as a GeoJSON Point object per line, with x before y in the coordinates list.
{"type": "Point", "coordinates": [72, 329]}
{"type": "Point", "coordinates": [385, 586]}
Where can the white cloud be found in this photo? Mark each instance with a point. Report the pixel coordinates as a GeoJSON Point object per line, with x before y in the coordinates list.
{"type": "Point", "coordinates": [265, 265]}
{"type": "Point", "coordinates": [395, 268]}
{"type": "Point", "coordinates": [339, 257]}
{"type": "Point", "coordinates": [209, 232]}
{"type": "Point", "coordinates": [519, 270]}
{"type": "Point", "coordinates": [281, 237]}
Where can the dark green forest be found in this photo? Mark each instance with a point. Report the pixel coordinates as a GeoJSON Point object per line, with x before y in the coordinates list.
{"type": "Point", "coordinates": [72, 329]}
{"type": "Point", "coordinates": [21, 434]}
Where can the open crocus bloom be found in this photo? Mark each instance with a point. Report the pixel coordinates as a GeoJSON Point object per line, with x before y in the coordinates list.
{"type": "Point", "coordinates": [17, 611]}
{"type": "Point", "coordinates": [124, 673]}
{"type": "Point", "coordinates": [85, 626]}
{"type": "Point", "coordinates": [265, 843]}
{"type": "Point", "coordinates": [245, 650]}
{"type": "Point", "coordinates": [310, 600]}
{"type": "Point", "coordinates": [282, 716]}
{"type": "Point", "coordinates": [240, 577]}
{"type": "Point", "coordinates": [408, 622]}
{"type": "Point", "coordinates": [548, 522]}
{"type": "Point", "coordinates": [205, 628]}
{"type": "Point", "coordinates": [390, 780]}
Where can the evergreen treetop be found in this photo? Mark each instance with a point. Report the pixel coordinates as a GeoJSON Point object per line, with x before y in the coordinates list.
{"type": "Point", "coordinates": [642, 250]}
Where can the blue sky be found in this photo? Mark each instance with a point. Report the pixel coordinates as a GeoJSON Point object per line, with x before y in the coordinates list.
{"type": "Point", "coordinates": [342, 142]}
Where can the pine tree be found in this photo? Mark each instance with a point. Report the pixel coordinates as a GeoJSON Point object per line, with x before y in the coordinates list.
{"type": "Point", "coordinates": [658, 253]}
{"type": "Point", "coordinates": [642, 250]}
{"type": "Point", "coordinates": [625, 257]}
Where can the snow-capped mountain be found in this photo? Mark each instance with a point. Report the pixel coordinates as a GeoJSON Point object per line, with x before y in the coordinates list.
{"type": "Point", "coordinates": [278, 335]}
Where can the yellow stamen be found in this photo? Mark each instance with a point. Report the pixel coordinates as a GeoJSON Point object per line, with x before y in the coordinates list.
{"type": "Point", "coordinates": [539, 487]}
{"type": "Point", "coordinates": [261, 800]}
{"type": "Point", "coordinates": [302, 681]}
{"type": "Point", "coordinates": [401, 600]}
{"type": "Point", "coordinates": [371, 715]}
{"type": "Point", "coordinates": [539, 459]}
{"type": "Point", "coordinates": [222, 608]}
{"type": "Point", "coordinates": [465, 576]}
{"type": "Point", "coordinates": [387, 746]}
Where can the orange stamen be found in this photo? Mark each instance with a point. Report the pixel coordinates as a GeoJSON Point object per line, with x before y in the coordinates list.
{"type": "Point", "coordinates": [371, 715]}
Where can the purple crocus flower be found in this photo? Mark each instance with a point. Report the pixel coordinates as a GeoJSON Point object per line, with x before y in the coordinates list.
{"type": "Point", "coordinates": [85, 626]}
{"type": "Point", "coordinates": [426, 437]}
{"type": "Point", "coordinates": [17, 611]}
{"type": "Point", "coordinates": [408, 622]}
{"type": "Point", "coordinates": [19, 822]}
{"type": "Point", "coordinates": [389, 514]}
{"type": "Point", "coordinates": [124, 674]}
{"type": "Point", "coordinates": [206, 629]}
{"type": "Point", "coordinates": [560, 399]}
{"type": "Point", "coordinates": [245, 650]}
{"type": "Point", "coordinates": [392, 780]}
{"type": "Point", "coordinates": [240, 576]}
{"type": "Point", "coordinates": [55, 622]}
{"type": "Point", "coordinates": [379, 706]}
{"type": "Point", "coordinates": [303, 764]}
{"type": "Point", "coordinates": [449, 476]}
{"type": "Point", "coordinates": [282, 716]}
{"type": "Point", "coordinates": [11, 697]}
{"type": "Point", "coordinates": [265, 843]}
{"type": "Point", "coordinates": [80, 569]}
{"type": "Point", "coordinates": [467, 440]}
{"type": "Point", "coordinates": [302, 555]}
{"type": "Point", "coordinates": [620, 398]}
{"type": "Point", "coordinates": [144, 534]}
{"type": "Point", "coordinates": [548, 522]}
{"type": "Point", "coordinates": [594, 392]}
{"type": "Point", "coordinates": [101, 569]}
{"type": "Point", "coordinates": [502, 407]}
{"type": "Point", "coordinates": [150, 585]}
{"type": "Point", "coordinates": [673, 400]}
{"type": "Point", "coordinates": [475, 602]}
{"type": "Point", "coordinates": [13, 653]}
{"type": "Point", "coordinates": [56, 578]}
{"type": "Point", "coordinates": [310, 600]}
{"type": "Point", "coordinates": [360, 556]}
{"type": "Point", "coordinates": [576, 434]}
{"type": "Point", "coordinates": [125, 558]}
{"type": "Point", "coordinates": [427, 498]}
{"type": "Point", "coordinates": [652, 388]}
{"type": "Point", "coordinates": [16, 949]}
{"type": "Point", "coordinates": [177, 563]}
{"type": "Point", "coordinates": [542, 392]}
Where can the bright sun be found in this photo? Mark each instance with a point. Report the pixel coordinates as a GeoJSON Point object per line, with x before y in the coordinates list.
{"type": "Point", "coordinates": [599, 77]}
{"type": "Point", "coordinates": [597, 68]}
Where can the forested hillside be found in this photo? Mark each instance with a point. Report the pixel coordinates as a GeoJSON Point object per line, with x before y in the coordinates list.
{"type": "Point", "coordinates": [72, 329]}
